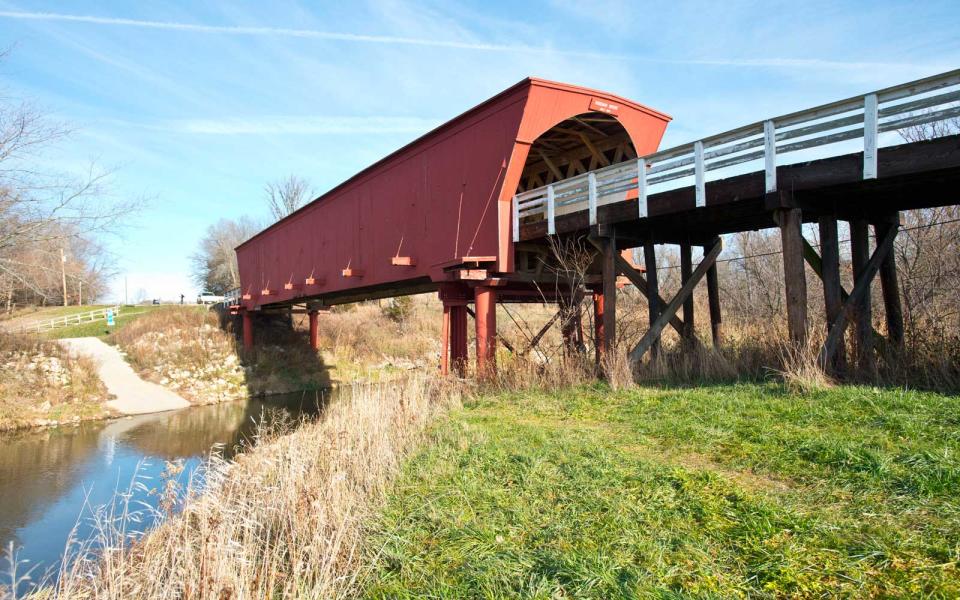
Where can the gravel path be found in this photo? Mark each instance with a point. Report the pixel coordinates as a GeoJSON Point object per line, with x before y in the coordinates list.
{"type": "Point", "coordinates": [132, 395]}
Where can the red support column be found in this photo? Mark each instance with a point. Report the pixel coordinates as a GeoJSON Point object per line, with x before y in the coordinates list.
{"type": "Point", "coordinates": [445, 342]}
{"type": "Point", "coordinates": [314, 330]}
{"type": "Point", "coordinates": [247, 330]}
{"type": "Point", "coordinates": [599, 336]}
{"type": "Point", "coordinates": [458, 338]}
{"type": "Point", "coordinates": [485, 299]}
{"type": "Point", "coordinates": [454, 336]}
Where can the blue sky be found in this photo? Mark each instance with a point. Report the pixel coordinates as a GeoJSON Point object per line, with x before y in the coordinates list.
{"type": "Point", "coordinates": [199, 105]}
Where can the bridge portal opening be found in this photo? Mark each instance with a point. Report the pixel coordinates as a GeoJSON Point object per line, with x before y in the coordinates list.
{"type": "Point", "coordinates": [579, 144]}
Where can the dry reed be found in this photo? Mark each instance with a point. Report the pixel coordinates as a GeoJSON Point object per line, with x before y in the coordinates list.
{"type": "Point", "coordinates": [284, 520]}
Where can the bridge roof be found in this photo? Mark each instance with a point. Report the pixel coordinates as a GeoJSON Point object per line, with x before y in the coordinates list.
{"type": "Point", "coordinates": [504, 98]}
{"type": "Point", "coordinates": [442, 197]}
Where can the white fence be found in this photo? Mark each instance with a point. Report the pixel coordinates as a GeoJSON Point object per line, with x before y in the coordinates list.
{"type": "Point", "coordinates": [74, 319]}
{"type": "Point", "coordinates": [862, 117]}
{"type": "Point", "coordinates": [230, 298]}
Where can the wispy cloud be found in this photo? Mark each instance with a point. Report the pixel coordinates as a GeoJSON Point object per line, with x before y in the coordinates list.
{"type": "Point", "coordinates": [301, 125]}
{"type": "Point", "coordinates": [766, 62]}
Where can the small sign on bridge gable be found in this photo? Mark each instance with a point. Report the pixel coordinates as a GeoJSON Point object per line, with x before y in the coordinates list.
{"type": "Point", "coordinates": [603, 106]}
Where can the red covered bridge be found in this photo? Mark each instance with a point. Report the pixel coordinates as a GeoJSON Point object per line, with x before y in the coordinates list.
{"type": "Point", "coordinates": [480, 210]}
{"type": "Point", "coordinates": [436, 214]}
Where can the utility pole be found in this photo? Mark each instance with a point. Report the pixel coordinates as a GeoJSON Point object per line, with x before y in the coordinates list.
{"type": "Point", "coordinates": [79, 292]}
{"type": "Point", "coordinates": [63, 275]}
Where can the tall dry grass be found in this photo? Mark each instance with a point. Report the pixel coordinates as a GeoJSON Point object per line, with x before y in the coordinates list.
{"type": "Point", "coordinates": [287, 519]}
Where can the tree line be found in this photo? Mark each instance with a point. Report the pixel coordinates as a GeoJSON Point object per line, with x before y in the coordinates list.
{"type": "Point", "coordinates": [51, 222]}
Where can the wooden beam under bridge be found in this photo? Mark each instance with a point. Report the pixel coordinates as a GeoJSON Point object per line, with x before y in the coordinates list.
{"type": "Point", "coordinates": [633, 276]}
{"type": "Point", "coordinates": [653, 334]}
{"type": "Point", "coordinates": [860, 289]}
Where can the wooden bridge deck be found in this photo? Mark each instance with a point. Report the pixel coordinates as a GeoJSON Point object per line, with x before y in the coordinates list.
{"type": "Point", "coordinates": [910, 176]}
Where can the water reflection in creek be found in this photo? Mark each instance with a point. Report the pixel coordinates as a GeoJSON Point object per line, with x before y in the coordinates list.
{"type": "Point", "coordinates": [47, 477]}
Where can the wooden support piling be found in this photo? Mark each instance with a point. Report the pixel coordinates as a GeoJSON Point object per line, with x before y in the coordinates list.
{"type": "Point", "coordinates": [866, 271]}
{"type": "Point", "coordinates": [686, 269]}
{"type": "Point", "coordinates": [314, 330]}
{"type": "Point", "coordinates": [862, 315]}
{"type": "Point", "coordinates": [890, 287]}
{"type": "Point", "coordinates": [794, 276]}
{"type": "Point", "coordinates": [247, 330]}
{"type": "Point", "coordinates": [653, 292]}
{"type": "Point", "coordinates": [713, 299]}
{"type": "Point", "coordinates": [609, 258]}
{"type": "Point", "coordinates": [832, 288]}
{"type": "Point", "coordinates": [445, 341]}
{"type": "Point", "coordinates": [458, 339]}
{"type": "Point", "coordinates": [633, 275]}
{"type": "Point", "coordinates": [652, 336]}
{"type": "Point", "coordinates": [599, 334]}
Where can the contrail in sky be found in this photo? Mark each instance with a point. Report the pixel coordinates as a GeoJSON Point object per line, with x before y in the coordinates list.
{"type": "Point", "coordinates": [440, 43]}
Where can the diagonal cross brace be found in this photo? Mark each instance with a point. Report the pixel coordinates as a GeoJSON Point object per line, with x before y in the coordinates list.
{"type": "Point", "coordinates": [626, 269]}
{"type": "Point", "coordinates": [543, 331]}
{"type": "Point", "coordinates": [670, 310]}
{"type": "Point", "coordinates": [860, 288]}
{"type": "Point", "coordinates": [500, 338]}
{"type": "Point", "coordinates": [816, 263]}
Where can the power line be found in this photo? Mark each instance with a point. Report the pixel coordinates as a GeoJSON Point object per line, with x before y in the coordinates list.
{"type": "Point", "coordinates": [843, 241]}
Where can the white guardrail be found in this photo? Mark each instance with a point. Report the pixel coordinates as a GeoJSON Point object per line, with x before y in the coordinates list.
{"type": "Point", "coordinates": [230, 298]}
{"type": "Point", "coordinates": [74, 319]}
{"type": "Point", "coordinates": [906, 105]}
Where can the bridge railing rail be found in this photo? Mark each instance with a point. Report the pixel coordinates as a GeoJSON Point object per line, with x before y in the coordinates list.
{"type": "Point", "coordinates": [930, 100]}
{"type": "Point", "coordinates": [230, 298]}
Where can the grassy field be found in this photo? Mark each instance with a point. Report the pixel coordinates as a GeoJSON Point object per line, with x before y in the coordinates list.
{"type": "Point", "coordinates": [724, 491]}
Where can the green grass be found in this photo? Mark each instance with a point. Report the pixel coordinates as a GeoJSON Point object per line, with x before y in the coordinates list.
{"type": "Point", "coordinates": [99, 328]}
{"type": "Point", "coordinates": [714, 492]}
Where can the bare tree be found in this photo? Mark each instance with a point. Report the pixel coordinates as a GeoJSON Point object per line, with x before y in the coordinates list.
{"type": "Point", "coordinates": [929, 131]}
{"type": "Point", "coordinates": [927, 252]}
{"type": "Point", "coordinates": [43, 211]}
{"type": "Point", "coordinates": [215, 262]}
{"type": "Point", "coordinates": [286, 195]}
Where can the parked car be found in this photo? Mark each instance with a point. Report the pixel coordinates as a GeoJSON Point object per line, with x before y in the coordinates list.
{"type": "Point", "coordinates": [208, 298]}
{"type": "Point", "coordinates": [156, 301]}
